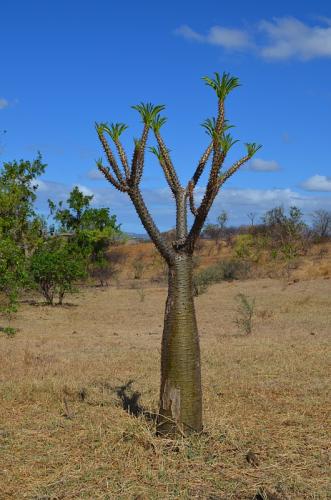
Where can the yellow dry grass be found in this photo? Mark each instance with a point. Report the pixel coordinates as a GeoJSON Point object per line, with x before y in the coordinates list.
{"type": "Point", "coordinates": [65, 435]}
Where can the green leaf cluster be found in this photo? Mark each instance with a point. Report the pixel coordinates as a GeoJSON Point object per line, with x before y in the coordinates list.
{"type": "Point", "coordinates": [55, 268]}
{"type": "Point", "coordinates": [222, 85]}
{"type": "Point", "coordinates": [150, 114]}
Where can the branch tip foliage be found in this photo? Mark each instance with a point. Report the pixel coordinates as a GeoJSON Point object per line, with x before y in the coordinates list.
{"type": "Point", "coordinates": [222, 85]}
{"type": "Point", "coordinates": [148, 112]}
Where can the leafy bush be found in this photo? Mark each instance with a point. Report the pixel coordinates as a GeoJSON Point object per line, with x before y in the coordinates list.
{"type": "Point", "coordinates": [222, 271]}
{"type": "Point", "coordinates": [235, 269]}
{"type": "Point", "coordinates": [244, 246]}
{"type": "Point", "coordinates": [13, 276]}
{"type": "Point", "coordinates": [21, 229]}
{"type": "Point", "coordinates": [287, 234]}
{"type": "Point", "coordinates": [56, 267]}
{"type": "Point", "coordinates": [105, 266]}
{"type": "Point", "coordinates": [207, 277]}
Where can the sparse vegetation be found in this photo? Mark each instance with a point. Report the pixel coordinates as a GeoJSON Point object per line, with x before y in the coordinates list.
{"type": "Point", "coordinates": [321, 224]}
{"type": "Point", "coordinates": [245, 313]}
{"type": "Point", "coordinates": [225, 270]}
{"type": "Point", "coordinates": [138, 266]}
{"type": "Point", "coordinates": [264, 393]}
{"type": "Point", "coordinates": [105, 266]}
{"type": "Point", "coordinates": [216, 231]}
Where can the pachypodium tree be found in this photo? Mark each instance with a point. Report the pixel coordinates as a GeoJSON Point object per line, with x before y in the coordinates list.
{"type": "Point", "coordinates": [180, 408]}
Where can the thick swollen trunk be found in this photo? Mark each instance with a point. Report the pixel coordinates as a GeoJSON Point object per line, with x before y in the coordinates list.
{"type": "Point", "coordinates": [180, 394]}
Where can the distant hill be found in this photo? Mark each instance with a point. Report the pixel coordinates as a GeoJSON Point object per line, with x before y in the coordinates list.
{"type": "Point", "coordinates": [138, 236]}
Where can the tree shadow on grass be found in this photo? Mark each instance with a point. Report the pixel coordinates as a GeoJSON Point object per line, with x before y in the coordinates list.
{"type": "Point", "coordinates": [129, 400]}
{"type": "Point", "coordinates": [38, 303]}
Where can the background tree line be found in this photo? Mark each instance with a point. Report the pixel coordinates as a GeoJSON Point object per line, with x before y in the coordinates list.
{"type": "Point", "coordinates": [52, 254]}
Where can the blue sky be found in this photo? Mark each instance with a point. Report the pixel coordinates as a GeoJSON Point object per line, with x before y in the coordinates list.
{"type": "Point", "coordinates": [65, 65]}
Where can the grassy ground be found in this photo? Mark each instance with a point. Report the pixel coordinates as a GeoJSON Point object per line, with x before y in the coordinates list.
{"type": "Point", "coordinates": [68, 372]}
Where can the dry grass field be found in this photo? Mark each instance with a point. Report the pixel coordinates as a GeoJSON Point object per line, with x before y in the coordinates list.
{"type": "Point", "coordinates": [69, 373]}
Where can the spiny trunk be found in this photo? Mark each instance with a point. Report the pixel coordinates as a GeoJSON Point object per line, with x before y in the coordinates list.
{"type": "Point", "coordinates": [180, 394]}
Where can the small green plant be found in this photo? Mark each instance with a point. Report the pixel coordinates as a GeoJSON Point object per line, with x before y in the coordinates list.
{"type": "Point", "coordinates": [141, 294]}
{"type": "Point", "coordinates": [9, 331]}
{"type": "Point", "coordinates": [245, 312]}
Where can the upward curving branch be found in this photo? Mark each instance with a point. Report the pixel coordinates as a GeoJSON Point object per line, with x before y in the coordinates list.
{"type": "Point", "coordinates": [129, 181]}
{"type": "Point", "coordinates": [147, 221]}
{"type": "Point", "coordinates": [156, 152]}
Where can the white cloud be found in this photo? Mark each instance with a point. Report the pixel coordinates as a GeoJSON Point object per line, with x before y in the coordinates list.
{"type": "Point", "coordinates": [260, 165]}
{"type": "Point", "coordinates": [317, 183]}
{"type": "Point", "coordinates": [187, 32]}
{"type": "Point", "coordinates": [228, 38]}
{"type": "Point", "coordinates": [3, 103]}
{"type": "Point", "coordinates": [279, 39]}
{"type": "Point", "coordinates": [290, 38]}
{"type": "Point", "coordinates": [95, 175]}
{"type": "Point", "coordinates": [56, 189]}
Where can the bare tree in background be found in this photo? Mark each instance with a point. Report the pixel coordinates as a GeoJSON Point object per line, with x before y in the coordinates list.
{"type": "Point", "coordinates": [251, 216]}
{"type": "Point", "coordinates": [216, 231]}
{"type": "Point", "coordinates": [180, 394]}
{"type": "Point", "coordinates": [322, 223]}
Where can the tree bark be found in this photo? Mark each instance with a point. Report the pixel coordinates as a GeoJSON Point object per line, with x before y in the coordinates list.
{"type": "Point", "coordinates": [180, 394]}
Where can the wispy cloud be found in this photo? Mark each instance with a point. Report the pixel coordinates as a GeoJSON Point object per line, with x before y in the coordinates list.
{"type": "Point", "coordinates": [95, 175]}
{"type": "Point", "coordinates": [279, 39]}
{"type": "Point", "coordinates": [317, 183]}
{"type": "Point", "coordinates": [290, 38]}
{"type": "Point", "coordinates": [228, 38]}
{"type": "Point", "coordinates": [260, 165]}
{"type": "Point", "coordinates": [3, 103]}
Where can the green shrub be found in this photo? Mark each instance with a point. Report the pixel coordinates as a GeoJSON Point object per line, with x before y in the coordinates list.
{"type": "Point", "coordinates": [207, 277]}
{"type": "Point", "coordinates": [244, 245]}
{"type": "Point", "coordinates": [13, 276]}
{"type": "Point", "coordinates": [105, 266]}
{"type": "Point", "coordinates": [235, 269]}
{"type": "Point", "coordinates": [222, 271]}
{"type": "Point", "coordinates": [56, 267]}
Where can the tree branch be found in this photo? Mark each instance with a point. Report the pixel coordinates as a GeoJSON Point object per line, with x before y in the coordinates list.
{"type": "Point", "coordinates": [158, 154]}
{"type": "Point", "coordinates": [190, 190]}
{"type": "Point", "coordinates": [232, 170]}
{"type": "Point", "coordinates": [212, 190]}
{"type": "Point", "coordinates": [167, 161]}
{"type": "Point", "coordinates": [111, 158]}
{"type": "Point", "coordinates": [201, 165]}
{"type": "Point", "coordinates": [137, 166]}
{"type": "Point", "coordinates": [123, 157]}
{"type": "Point", "coordinates": [106, 172]}
{"type": "Point", "coordinates": [150, 226]}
